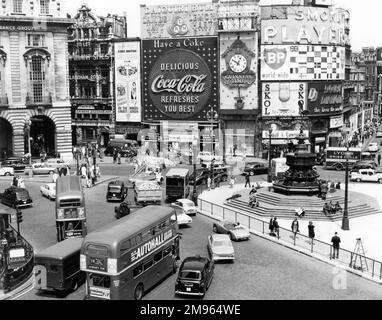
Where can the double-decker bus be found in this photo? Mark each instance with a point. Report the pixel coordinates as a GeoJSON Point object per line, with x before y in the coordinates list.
{"type": "Point", "coordinates": [70, 208]}
{"type": "Point", "coordinates": [126, 258]}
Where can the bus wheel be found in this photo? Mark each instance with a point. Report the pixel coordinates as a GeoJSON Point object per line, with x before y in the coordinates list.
{"type": "Point", "coordinates": [74, 285]}
{"type": "Point", "coordinates": [338, 167]}
{"type": "Point", "coordinates": [379, 180]}
{"type": "Point", "coordinates": [138, 292]}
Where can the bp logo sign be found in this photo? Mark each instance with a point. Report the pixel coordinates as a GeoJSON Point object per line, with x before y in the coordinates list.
{"type": "Point", "coordinates": [275, 58]}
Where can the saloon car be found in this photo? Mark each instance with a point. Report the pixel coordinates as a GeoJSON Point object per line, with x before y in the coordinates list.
{"type": "Point", "coordinates": [116, 191]}
{"type": "Point", "coordinates": [16, 197]}
{"type": "Point", "coordinates": [236, 231]}
{"type": "Point", "coordinates": [17, 164]}
{"type": "Point", "coordinates": [220, 247]}
{"type": "Point", "coordinates": [187, 206]}
{"type": "Point", "coordinates": [42, 168]}
{"type": "Point", "coordinates": [183, 219]}
{"type": "Point", "coordinates": [48, 190]}
{"type": "Point", "coordinates": [57, 163]}
{"type": "Point", "coordinates": [255, 168]}
{"type": "Point", "coordinates": [373, 147]}
{"type": "Point", "coordinates": [366, 175]}
{"type": "Point", "coordinates": [194, 276]}
{"type": "Point", "coordinates": [7, 171]}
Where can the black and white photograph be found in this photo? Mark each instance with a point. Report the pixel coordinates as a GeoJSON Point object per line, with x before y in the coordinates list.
{"type": "Point", "coordinates": [190, 152]}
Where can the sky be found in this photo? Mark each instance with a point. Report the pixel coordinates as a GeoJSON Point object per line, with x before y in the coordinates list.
{"type": "Point", "coordinates": [364, 15]}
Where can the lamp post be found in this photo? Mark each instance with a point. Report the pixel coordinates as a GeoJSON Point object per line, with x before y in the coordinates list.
{"type": "Point", "coordinates": [78, 164]}
{"type": "Point", "coordinates": [212, 115]}
{"type": "Point", "coordinates": [194, 192]}
{"type": "Point", "coordinates": [345, 218]}
{"type": "Point", "coordinates": [269, 154]}
{"type": "Point", "coordinates": [28, 123]}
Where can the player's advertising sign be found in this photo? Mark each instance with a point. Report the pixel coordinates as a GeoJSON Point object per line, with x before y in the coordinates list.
{"type": "Point", "coordinates": [127, 81]}
{"type": "Point", "coordinates": [302, 62]}
{"type": "Point", "coordinates": [284, 99]}
{"type": "Point", "coordinates": [180, 78]}
{"type": "Point", "coordinates": [325, 98]}
{"type": "Point", "coordinates": [180, 20]}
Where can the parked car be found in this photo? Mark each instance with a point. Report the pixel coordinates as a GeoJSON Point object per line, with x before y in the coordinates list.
{"type": "Point", "coordinates": [187, 206]}
{"type": "Point", "coordinates": [42, 168]}
{"type": "Point", "coordinates": [201, 176]}
{"type": "Point", "coordinates": [48, 190]}
{"type": "Point", "coordinates": [220, 247]}
{"type": "Point", "coordinates": [364, 164]}
{"type": "Point", "coordinates": [7, 171]}
{"type": "Point", "coordinates": [183, 219]}
{"type": "Point", "coordinates": [255, 168]}
{"type": "Point", "coordinates": [116, 191]}
{"type": "Point", "coordinates": [16, 197]}
{"type": "Point", "coordinates": [235, 230]}
{"type": "Point", "coordinates": [56, 163]}
{"type": "Point", "coordinates": [373, 147]}
{"type": "Point", "coordinates": [379, 134]}
{"type": "Point", "coordinates": [16, 163]}
{"type": "Point", "coordinates": [194, 276]}
{"type": "Point", "coordinates": [366, 175]}
{"type": "Point", "coordinates": [125, 152]}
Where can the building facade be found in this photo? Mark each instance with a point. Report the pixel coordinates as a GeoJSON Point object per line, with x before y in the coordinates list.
{"type": "Point", "coordinates": [302, 73]}
{"type": "Point", "coordinates": [34, 85]}
{"type": "Point", "coordinates": [91, 75]}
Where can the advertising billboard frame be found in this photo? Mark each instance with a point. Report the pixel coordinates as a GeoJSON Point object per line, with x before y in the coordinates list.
{"type": "Point", "coordinates": [325, 98]}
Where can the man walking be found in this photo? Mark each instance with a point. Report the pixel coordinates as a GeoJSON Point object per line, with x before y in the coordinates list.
{"type": "Point", "coordinates": [276, 227]}
{"type": "Point", "coordinates": [295, 228]}
{"type": "Point", "coordinates": [379, 159]}
{"type": "Point", "coordinates": [336, 245]}
{"type": "Point", "coordinates": [247, 181]}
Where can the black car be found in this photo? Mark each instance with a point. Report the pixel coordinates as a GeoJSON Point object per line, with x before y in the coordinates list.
{"type": "Point", "coordinates": [360, 165]}
{"type": "Point", "coordinates": [201, 177]}
{"type": "Point", "coordinates": [116, 190]}
{"type": "Point", "coordinates": [255, 168]}
{"type": "Point", "coordinates": [16, 197]}
{"type": "Point", "coordinates": [18, 164]}
{"type": "Point", "coordinates": [194, 276]}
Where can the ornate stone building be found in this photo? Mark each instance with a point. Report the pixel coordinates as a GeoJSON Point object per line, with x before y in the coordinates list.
{"type": "Point", "coordinates": [91, 74]}
{"type": "Point", "coordinates": [34, 87]}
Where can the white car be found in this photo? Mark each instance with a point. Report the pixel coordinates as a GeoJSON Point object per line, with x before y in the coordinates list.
{"type": "Point", "coordinates": [187, 205]}
{"type": "Point", "coordinates": [49, 190]}
{"type": "Point", "coordinates": [183, 219]}
{"type": "Point", "coordinates": [56, 163]}
{"type": "Point", "coordinates": [373, 147]}
{"type": "Point", "coordinates": [7, 171]}
{"type": "Point", "coordinates": [220, 247]}
{"type": "Point", "coordinates": [206, 156]}
{"type": "Point", "coordinates": [368, 175]}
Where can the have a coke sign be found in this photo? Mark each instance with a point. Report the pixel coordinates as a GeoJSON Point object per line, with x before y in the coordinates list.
{"type": "Point", "coordinates": [180, 78]}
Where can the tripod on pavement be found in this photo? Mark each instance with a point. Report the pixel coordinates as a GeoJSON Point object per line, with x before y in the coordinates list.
{"type": "Point", "coordinates": [358, 259]}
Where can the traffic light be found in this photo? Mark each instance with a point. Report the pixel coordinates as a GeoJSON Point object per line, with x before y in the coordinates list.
{"type": "Point", "coordinates": [19, 216]}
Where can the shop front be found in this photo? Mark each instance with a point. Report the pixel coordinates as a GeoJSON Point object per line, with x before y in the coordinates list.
{"type": "Point", "coordinates": [239, 138]}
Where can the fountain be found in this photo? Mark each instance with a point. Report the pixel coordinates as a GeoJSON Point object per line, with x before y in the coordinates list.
{"type": "Point", "coordinates": [301, 178]}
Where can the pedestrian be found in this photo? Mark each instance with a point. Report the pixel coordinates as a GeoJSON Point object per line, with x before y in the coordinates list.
{"type": "Point", "coordinates": [338, 185]}
{"type": "Point", "coordinates": [83, 152]}
{"type": "Point", "coordinates": [276, 227]}
{"type": "Point", "coordinates": [295, 228]}
{"type": "Point", "coordinates": [326, 209]}
{"type": "Point", "coordinates": [247, 181]}
{"type": "Point", "coordinates": [83, 170]}
{"type": "Point", "coordinates": [379, 159]}
{"type": "Point", "coordinates": [231, 181]}
{"type": "Point", "coordinates": [98, 171]}
{"type": "Point", "coordinates": [114, 156]}
{"type": "Point", "coordinates": [119, 157]}
{"type": "Point", "coordinates": [336, 240]}
{"type": "Point", "coordinates": [55, 176]}
{"type": "Point", "coordinates": [253, 191]}
{"type": "Point", "coordinates": [209, 183]}
{"type": "Point", "coordinates": [311, 231]}
{"type": "Point", "coordinates": [92, 177]}
{"type": "Point", "coordinates": [319, 189]}
{"type": "Point", "coordinates": [271, 227]}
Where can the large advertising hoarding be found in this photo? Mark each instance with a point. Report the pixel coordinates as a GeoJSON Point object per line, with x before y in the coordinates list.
{"type": "Point", "coordinates": [127, 81]}
{"type": "Point", "coordinates": [302, 62]}
{"type": "Point", "coordinates": [283, 99]}
{"type": "Point", "coordinates": [180, 20]}
{"type": "Point", "coordinates": [238, 71]}
{"type": "Point", "coordinates": [180, 79]}
{"type": "Point", "coordinates": [304, 25]}
{"type": "Point", "coordinates": [325, 98]}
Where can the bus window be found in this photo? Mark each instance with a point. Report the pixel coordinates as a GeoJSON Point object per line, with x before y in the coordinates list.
{"type": "Point", "coordinates": [166, 252]}
{"type": "Point", "coordinates": [99, 280]}
{"type": "Point", "coordinates": [54, 268]}
{"type": "Point", "coordinates": [148, 265]}
{"type": "Point", "coordinates": [158, 256]}
{"type": "Point", "coordinates": [125, 246]}
{"type": "Point", "coordinates": [137, 271]}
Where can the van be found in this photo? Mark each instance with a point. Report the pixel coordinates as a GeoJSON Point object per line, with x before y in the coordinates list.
{"type": "Point", "coordinates": [57, 268]}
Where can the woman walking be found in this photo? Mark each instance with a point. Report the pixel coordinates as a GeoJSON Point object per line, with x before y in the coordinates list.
{"type": "Point", "coordinates": [311, 231]}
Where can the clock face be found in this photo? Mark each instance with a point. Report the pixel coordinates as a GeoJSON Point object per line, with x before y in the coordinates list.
{"type": "Point", "coordinates": [238, 63]}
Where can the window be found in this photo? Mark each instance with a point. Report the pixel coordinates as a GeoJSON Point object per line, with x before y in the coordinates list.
{"type": "Point", "coordinates": [147, 265]}
{"type": "Point", "coordinates": [44, 6]}
{"type": "Point", "coordinates": [137, 271]}
{"type": "Point", "coordinates": [166, 252]}
{"type": "Point", "coordinates": [158, 256]}
{"type": "Point", "coordinates": [54, 268]}
{"type": "Point", "coordinates": [98, 280]}
{"type": "Point", "coordinates": [17, 6]}
{"type": "Point", "coordinates": [36, 40]}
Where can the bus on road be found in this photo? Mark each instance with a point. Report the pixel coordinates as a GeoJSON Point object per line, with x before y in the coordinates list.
{"type": "Point", "coordinates": [70, 208]}
{"type": "Point", "coordinates": [126, 258]}
{"type": "Point", "coordinates": [336, 159]}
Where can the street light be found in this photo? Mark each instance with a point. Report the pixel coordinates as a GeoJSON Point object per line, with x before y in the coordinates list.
{"type": "Point", "coordinates": [28, 123]}
{"type": "Point", "coordinates": [269, 155]}
{"type": "Point", "coordinates": [194, 192]}
{"type": "Point", "coordinates": [345, 218]}
{"type": "Point", "coordinates": [212, 115]}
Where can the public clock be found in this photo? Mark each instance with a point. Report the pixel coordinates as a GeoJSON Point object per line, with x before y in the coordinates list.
{"type": "Point", "coordinates": [238, 63]}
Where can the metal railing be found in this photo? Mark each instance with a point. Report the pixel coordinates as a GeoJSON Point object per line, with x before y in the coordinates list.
{"type": "Point", "coordinates": [38, 100]}
{"type": "Point", "coordinates": [370, 267]}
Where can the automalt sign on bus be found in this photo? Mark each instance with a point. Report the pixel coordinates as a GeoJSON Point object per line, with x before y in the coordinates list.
{"type": "Point", "coordinates": [180, 78]}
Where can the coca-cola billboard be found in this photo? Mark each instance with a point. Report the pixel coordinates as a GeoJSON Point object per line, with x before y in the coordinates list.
{"type": "Point", "coordinates": [180, 78]}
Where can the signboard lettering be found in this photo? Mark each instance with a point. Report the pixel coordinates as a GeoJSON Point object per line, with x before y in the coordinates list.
{"type": "Point", "coordinates": [325, 98]}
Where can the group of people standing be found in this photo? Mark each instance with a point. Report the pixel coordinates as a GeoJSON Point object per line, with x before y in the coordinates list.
{"type": "Point", "coordinates": [90, 173]}
{"type": "Point", "coordinates": [331, 208]}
